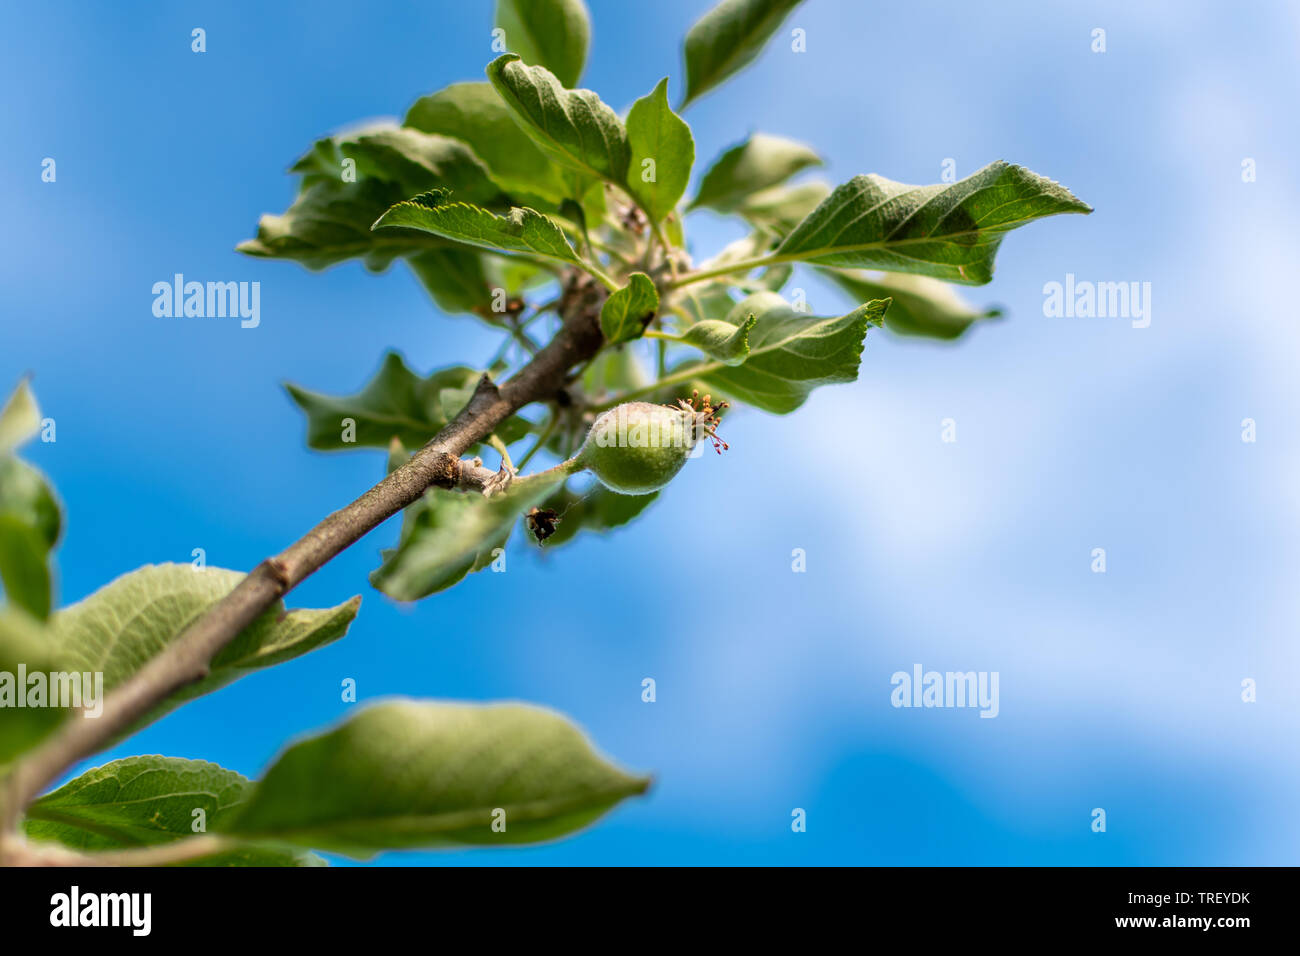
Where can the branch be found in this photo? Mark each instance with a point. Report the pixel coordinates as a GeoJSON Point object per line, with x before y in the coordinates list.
{"type": "Point", "coordinates": [437, 464]}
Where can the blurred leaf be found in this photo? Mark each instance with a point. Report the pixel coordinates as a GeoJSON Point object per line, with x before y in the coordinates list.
{"type": "Point", "coordinates": [25, 494]}
{"type": "Point", "coordinates": [456, 278]}
{"type": "Point", "coordinates": [727, 343]}
{"type": "Point", "coordinates": [24, 566]}
{"type": "Point", "coordinates": [447, 535]}
{"type": "Point", "coordinates": [791, 353]}
{"type": "Point", "coordinates": [330, 222]}
{"type": "Point", "coordinates": [658, 135]}
{"type": "Point", "coordinates": [474, 114]}
{"type": "Point", "coordinates": [572, 127]}
{"type": "Point", "coordinates": [30, 518]}
{"type": "Point", "coordinates": [129, 621]}
{"type": "Point", "coordinates": [30, 524]}
{"type": "Point", "coordinates": [739, 250]}
{"type": "Point", "coordinates": [396, 402]}
{"type": "Point", "coordinates": [407, 774]}
{"type": "Point", "coordinates": [550, 33]}
{"type": "Point", "coordinates": [628, 310]}
{"type": "Point", "coordinates": [774, 278]}
{"type": "Point", "coordinates": [781, 208]}
{"type": "Point", "coordinates": [921, 305]}
{"type": "Point", "coordinates": [418, 161]}
{"type": "Point", "coordinates": [521, 230]}
{"type": "Point", "coordinates": [20, 419]}
{"type": "Point", "coordinates": [24, 643]}
{"type": "Point", "coordinates": [948, 231]}
{"type": "Point", "coordinates": [709, 301]}
{"type": "Point", "coordinates": [750, 167]}
{"type": "Point", "coordinates": [146, 801]}
{"type": "Point", "coordinates": [727, 39]}
{"type": "Point", "coordinates": [613, 370]}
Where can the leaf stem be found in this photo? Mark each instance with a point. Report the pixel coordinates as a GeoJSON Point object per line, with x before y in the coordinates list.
{"type": "Point", "coordinates": [658, 229]}
{"type": "Point", "coordinates": [502, 450]}
{"type": "Point", "coordinates": [744, 265]}
{"type": "Point", "coordinates": [684, 375]}
{"type": "Point", "coordinates": [541, 440]}
{"type": "Point", "coordinates": [600, 276]}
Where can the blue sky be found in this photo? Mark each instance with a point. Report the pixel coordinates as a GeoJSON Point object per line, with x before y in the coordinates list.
{"type": "Point", "coordinates": [1118, 690]}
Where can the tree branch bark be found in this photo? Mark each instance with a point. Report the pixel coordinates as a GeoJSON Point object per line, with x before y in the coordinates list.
{"type": "Point", "coordinates": [438, 464]}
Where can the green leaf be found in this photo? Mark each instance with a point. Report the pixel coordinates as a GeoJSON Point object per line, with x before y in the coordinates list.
{"type": "Point", "coordinates": [921, 305]}
{"type": "Point", "coordinates": [474, 114]}
{"type": "Point", "coordinates": [24, 643]}
{"type": "Point", "coordinates": [727, 39]}
{"type": "Point", "coordinates": [613, 371]}
{"type": "Point", "coordinates": [628, 310]}
{"type": "Point", "coordinates": [126, 623]}
{"type": "Point", "coordinates": [781, 208]}
{"type": "Point", "coordinates": [709, 300]}
{"type": "Point", "coordinates": [26, 494]}
{"type": "Point", "coordinates": [662, 149]}
{"type": "Point", "coordinates": [330, 222]}
{"type": "Point", "coordinates": [741, 250]}
{"type": "Point", "coordinates": [24, 566]}
{"type": "Point", "coordinates": [572, 127]}
{"type": "Point", "coordinates": [20, 419]}
{"type": "Point", "coordinates": [417, 161]}
{"type": "Point", "coordinates": [756, 164]}
{"type": "Point", "coordinates": [720, 340]}
{"type": "Point", "coordinates": [146, 801]}
{"type": "Point", "coordinates": [521, 230]}
{"type": "Point", "coordinates": [791, 353]}
{"type": "Point", "coordinates": [948, 231]}
{"type": "Point", "coordinates": [30, 519]}
{"type": "Point", "coordinates": [447, 535]}
{"type": "Point", "coordinates": [456, 277]}
{"type": "Point", "coordinates": [550, 33]}
{"type": "Point", "coordinates": [30, 524]}
{"type": "Point", "coordinates": [395, 403]}
{"type": "Point", "coordinates": [407, 774]}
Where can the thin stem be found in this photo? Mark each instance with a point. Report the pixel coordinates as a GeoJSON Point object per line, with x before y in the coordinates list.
{"type": "Point", "coordinates": [611, 252]}
{"type": "Point", "coordinates": [502, 450]}
{"type": "Point", "coordinates": [744, 265]}
{"type": "Point", "coordinates": [658, 229]}
{"type": "Point", "coordinates": [519, 335]}
{"type": "Point", "coordinates": [685, 375]}
{"type": "Point", "coordinates": [541, 440]}
{"type": "Point", "coordinates": [566, 467]}
{"type": "Point", "coordinates": [604, 280]}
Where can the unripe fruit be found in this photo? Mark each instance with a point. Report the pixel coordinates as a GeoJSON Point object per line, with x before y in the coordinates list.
{"type": "Point", "coordinates": [637, 448]}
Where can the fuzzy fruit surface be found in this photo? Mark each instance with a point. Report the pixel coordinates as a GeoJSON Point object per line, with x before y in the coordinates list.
{"type": "Point", "coordinates": [636, 448]}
